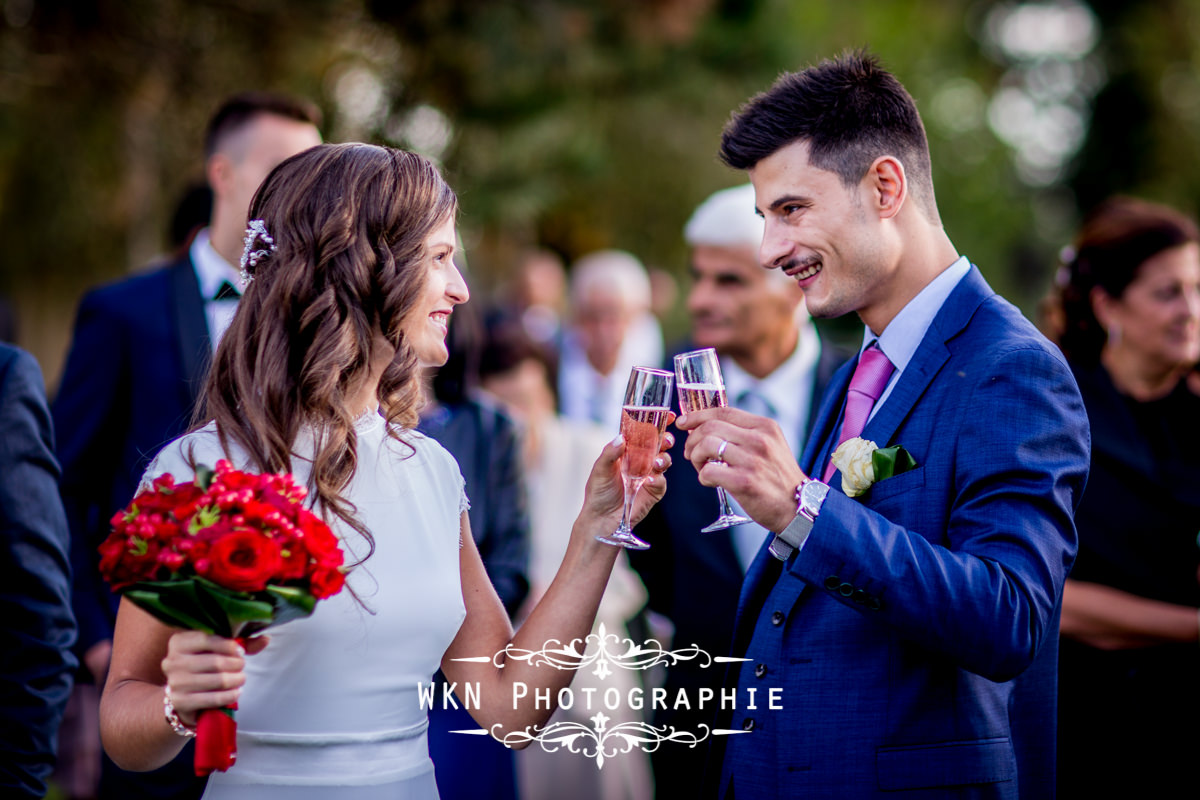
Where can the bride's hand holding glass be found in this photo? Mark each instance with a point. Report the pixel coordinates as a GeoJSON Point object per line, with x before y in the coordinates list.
{"type": "Point", "coordinates": [604, 495]}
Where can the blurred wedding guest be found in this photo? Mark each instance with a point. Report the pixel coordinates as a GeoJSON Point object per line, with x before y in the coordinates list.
{"type": "Point", "coordinates": [664, 293]}
{"type": "Point", "coordinates": [193, 213]}
{"type": "Point", "coordinates": [137, 360]}
{"type": "Point", "coordinates": [1129, 694]}
{"type": "Point", "coordinates": [37, 626]}
{"type": "Point", "coordinates": [484, 441]}
{"type": "Point", "coordinates": [538, 295]}
{"type": "Point", "coordinates": [520, 373]}
{"type": "Point", "coordinates": [611, 330]}
{"type": "Point", "coordinates": [774, 364]}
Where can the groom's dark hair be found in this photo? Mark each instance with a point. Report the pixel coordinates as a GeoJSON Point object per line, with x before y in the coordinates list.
{"type": "Point", "coordinates": [849, 110]}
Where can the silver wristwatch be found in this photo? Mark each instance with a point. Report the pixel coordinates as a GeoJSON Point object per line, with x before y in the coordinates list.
{"type": "Point", "coordinates": [810, 496]}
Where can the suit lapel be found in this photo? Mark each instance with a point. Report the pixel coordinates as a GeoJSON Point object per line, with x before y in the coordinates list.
{"type": "Point", "coordinates": [826, 420]}
{"type": "Point", "coordinates": [191, 328]}
{"type": "Point", "coordinates": [925, 363]}
{"type": "Point", "coordinates": [930, 357]}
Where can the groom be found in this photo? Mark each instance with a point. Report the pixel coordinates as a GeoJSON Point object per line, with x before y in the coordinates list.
{"type": "Point", "coordinates": [910, 631]}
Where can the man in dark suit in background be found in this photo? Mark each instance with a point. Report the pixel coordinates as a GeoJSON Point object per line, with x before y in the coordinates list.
{"type": "Point", "coordinates": [774, 364]}
{"type": "Point", "coordinates": [37, 628]}
{"type": "Point", "coordinates": [138, 356]}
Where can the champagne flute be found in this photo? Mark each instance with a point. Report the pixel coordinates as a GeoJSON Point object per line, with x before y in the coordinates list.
{"type": "Point", "coordinates": [643, 420]}
{"type": "Point", "coordinates": [701, 386]}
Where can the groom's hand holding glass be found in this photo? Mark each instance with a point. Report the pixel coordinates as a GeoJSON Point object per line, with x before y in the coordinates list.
{"type": "Point", "coordinates": [749, 458]}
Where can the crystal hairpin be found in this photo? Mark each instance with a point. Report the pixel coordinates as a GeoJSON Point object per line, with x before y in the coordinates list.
{"type": "Point", "coordinates": [257, 229]}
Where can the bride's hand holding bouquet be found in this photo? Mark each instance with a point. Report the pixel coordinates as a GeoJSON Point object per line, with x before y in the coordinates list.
{"type": "Point", "coordinates": [222, 557]}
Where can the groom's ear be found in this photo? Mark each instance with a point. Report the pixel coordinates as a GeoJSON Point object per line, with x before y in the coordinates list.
{"type": "Point", "coordinates": [888, 186]}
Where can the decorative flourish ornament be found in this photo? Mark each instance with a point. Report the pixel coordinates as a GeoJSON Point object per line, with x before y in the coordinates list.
{"type": "Point", "coordinates": [600, 741]}
{"type": "Point", "coordinates": [575, 654]}
{"type": "Point", "coordinates": [257, 229]}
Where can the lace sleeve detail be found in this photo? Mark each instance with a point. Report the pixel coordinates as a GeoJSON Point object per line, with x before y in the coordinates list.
{"type": "Point", "coordinates": [464, 505]}
{"type": "Point", "coordinates": [166, 460]}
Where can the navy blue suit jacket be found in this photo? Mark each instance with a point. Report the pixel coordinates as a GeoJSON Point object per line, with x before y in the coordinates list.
{"type": "Point", "coordinates": [913, 638]}
{"type": "Point", "coordinates": [137, 360]}
{"type": "Point", "coordinates": [37, 628]}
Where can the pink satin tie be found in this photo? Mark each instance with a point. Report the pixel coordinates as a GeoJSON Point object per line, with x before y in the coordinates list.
{"type": "Point", "coordinates": [866, 385]}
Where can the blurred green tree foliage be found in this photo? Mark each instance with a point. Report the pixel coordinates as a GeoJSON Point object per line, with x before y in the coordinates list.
{"type": "Point", "coordinates": [573, 124]}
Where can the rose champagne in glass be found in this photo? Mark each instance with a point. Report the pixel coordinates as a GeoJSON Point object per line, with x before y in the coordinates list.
{"type": "Point", "coordinates": [698, 378]}
{"type": "Point", "coordinates": [643, 420]}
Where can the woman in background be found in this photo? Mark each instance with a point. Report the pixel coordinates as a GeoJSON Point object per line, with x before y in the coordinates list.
{"type": "Point", "coordinates": [1129, 675]}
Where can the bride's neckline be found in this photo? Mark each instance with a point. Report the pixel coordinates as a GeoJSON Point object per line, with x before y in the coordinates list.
{"type": "Point", "coordinates": [368, 420]}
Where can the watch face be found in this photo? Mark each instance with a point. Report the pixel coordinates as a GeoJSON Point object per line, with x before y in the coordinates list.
{"type": "Point", "coordinates": [812, 496]}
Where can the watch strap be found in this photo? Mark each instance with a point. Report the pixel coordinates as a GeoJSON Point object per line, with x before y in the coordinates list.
{"type": "Point", "coordinates": [810, 496]}
{"type": "Point", "coordinates": [788, 540]}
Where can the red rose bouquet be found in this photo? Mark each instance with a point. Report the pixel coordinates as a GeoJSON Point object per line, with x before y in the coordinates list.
{"type": "Point", "coordinates": [229, 553]}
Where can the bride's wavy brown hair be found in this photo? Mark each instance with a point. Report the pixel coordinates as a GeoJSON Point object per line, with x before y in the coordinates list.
{"type": "Point", "coordinates": [349, 224]}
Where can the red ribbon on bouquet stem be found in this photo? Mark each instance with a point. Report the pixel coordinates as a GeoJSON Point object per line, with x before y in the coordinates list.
{"type": "Point", "coordinates": [216, 737]}
{"type": "Point", "coordinates": [216, 740]}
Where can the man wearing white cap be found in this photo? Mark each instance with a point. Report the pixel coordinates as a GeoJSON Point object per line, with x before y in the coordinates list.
{"type": "Point", "coordinates": [774, 365]}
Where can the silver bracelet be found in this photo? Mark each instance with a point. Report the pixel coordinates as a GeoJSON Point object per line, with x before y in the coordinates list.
{"type": "Point", "coordinates": [173, 718]}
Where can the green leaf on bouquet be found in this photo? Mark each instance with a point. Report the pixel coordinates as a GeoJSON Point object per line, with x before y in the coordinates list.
{"type": "Point", "coordinates": [204, 476]}
{"type": "Point", "coordinates": [290, 603]}
{"type": "Point", "coordinates": [175, 603]}
{"type": "Point", "coordinates": [234, 609]}
{"type": "Point", "coordinates": [889, 461]}
{"type": "Point", "coordinates": [203, 518]}
{"type": "Point", "coordinates": [197, 603]}
{"type": "Point", "coordinates": [290, 597]}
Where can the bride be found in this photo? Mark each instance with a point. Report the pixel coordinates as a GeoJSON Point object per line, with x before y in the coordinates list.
{"type": "Point", "coordinates": [352, 286]}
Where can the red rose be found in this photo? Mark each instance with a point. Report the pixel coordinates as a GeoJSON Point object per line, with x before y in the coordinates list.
{"type": "Point", "coordinates": [326, 582]}
{"type": "Point", "coordinates": [242, 560]}
{"type": "Point", "coordinates": [318, 538]}
{"type": "Point", "coordinates": [125, 560]}
{"type": "Point", "coordinates": [294, 564]}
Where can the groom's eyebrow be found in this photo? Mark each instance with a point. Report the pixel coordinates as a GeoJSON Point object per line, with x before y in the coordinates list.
{"type": "Point", "coordinates": [787, 199]}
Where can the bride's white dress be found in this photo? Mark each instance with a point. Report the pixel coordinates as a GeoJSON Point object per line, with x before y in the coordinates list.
{"type": "Point", "coordinates": [331, 707]}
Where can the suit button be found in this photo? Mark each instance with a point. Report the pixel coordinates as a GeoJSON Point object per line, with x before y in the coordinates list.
{"type": "Point", "coordinates": [748, 724]}
{"type": "Point", "coordinates": [845, 590]}
{"type": "Point", "coordinates": [832, 582]}
{"type": "Point", "coordinates": [874, 604]}
{"type": "Point", "coordinates": [760, 670]}
{"type": "Point", "coordinates": [859, 596]}
{"type": "Point", "coordinates": [777, 618]}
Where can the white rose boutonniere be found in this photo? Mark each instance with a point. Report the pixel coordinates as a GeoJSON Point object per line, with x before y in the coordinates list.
{"type": "Point", "coordinates": [862, 463]}
{"type": "Point", "coordinates": [853, 458]}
